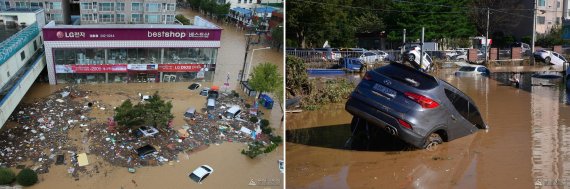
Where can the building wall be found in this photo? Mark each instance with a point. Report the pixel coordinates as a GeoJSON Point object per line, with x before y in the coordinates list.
{"type": "Point", "coordinates": [13, 64]}
{"type": "Point", "coordinates": [548, 15]}
{"type": "Point", "coordinates": [60, 14]}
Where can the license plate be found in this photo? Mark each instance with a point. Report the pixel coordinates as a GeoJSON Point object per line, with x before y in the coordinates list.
{"type": "Point", "coordinates": [384, 90]}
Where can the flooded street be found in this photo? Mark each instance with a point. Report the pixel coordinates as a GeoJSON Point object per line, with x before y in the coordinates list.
{"type": "Point", "coordinates": [232, 169]}
{"type": "Point", "coordinates": [527, 142]}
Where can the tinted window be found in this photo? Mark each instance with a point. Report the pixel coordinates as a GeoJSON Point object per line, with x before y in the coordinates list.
{"type": "Point", "coordinates": [204, 167]}
{"type": "Point", "coordinates": [481, 69]}
{"type": "Point", "coordinates": [460, 103]}
{"type": "Point", "coordinates": [475, 117]}
{"type": "Point", "coordinates": [467, 69]}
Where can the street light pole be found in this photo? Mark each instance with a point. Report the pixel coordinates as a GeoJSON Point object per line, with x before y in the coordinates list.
{"type": "Point", "coordinates": [247, 42]}
{"type": "Point", "coordinates": [487, 40]}
{"type": "Point", "coordinates": [533, 31]}
{"type": "Point", "coordinates": [251, 59]}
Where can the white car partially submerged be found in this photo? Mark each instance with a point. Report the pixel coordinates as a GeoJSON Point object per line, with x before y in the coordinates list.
{"type": "Point", "coordinates": [472, 70]}
{"type": "Point", "coordinates": [550, 57]}
{"type": "Point", "coordinates": [201, 173]}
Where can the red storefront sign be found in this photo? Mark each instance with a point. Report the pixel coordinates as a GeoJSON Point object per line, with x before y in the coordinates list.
{"type": "Point", "coordinates": [122, 68]}
{"type": "Point", "coordinates": [104, 68]}
{"type": "Point", "coordinates": [180, 67]}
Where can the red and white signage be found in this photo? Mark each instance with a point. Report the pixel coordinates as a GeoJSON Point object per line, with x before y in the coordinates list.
{"type": "Point", "coordinates": [122, 68]}
{"type": "Point", "coordinates": [105, 68]}
{"type": "Point", "coordinates": [180, 67]}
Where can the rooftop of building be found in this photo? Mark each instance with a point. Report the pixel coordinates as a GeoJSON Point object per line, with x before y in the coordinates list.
{"type": "Point", "coordinates": [7, 31]}
{"type": "Point", "coordinates": [21, 10]}
{"type": "Point", "coordinates": [199, 23]}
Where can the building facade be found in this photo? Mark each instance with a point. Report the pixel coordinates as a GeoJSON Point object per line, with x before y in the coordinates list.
{"type": "Point", "coordinates": [104, 12]}
{"type": "Point", "coordinates": [21, 55]}
{"type": "Point", "coordinates": [131, 53]}
{"type": "Point", "coordinates": [248, 3]}
{"type": "Point", "coordinates": [549, 14]}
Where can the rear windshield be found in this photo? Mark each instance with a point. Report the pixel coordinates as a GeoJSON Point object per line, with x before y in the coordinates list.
{"type": "Point", "coordinates": [467, 69]}
{"type": "Point", "coordinates": [405, 74]}
{"type": "Point", "coordinates": [207, 169]}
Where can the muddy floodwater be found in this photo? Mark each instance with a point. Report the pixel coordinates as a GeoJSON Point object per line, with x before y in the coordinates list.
{"type": "Point", "coordinates": [527, 145]}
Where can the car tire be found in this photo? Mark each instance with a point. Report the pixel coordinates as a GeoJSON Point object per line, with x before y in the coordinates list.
{"type": "Point", "coordinates": [432, 141]}
{"type": "Point", "coordinates": [547, 60]}
{"type": "Point", "coordinates": [411, 58]}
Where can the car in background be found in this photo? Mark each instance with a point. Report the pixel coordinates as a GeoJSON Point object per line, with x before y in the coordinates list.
{"type": "Point", "coordinates": [383, 55]}
{"type": "Point", "coordinates": [204, 91]}
{"type": "Point", "coordinates": [145, 131]}
{"type": "Point", "coordinates": [412, 56]}
{"type": "Point", "coordinates": [201, 173]}
{"type": "Point", "coordinates": [331, 54]}
{"type": "Point", "coordinates": [369, 57]}
{"type": "Point", "coordinates": [414, 106]}
{"type": "Point", "coordinates": [550, 57]}
{"type": "Point", "coordinates": [525, 48]}
{"type": "Point", "coordinates": [472, 70]}
{"type": "Point", "coordinates": [194, 86]}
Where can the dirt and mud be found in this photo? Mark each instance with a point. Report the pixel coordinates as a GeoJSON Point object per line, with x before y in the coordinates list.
{"type": "Point", "coordinates": [525, 145]}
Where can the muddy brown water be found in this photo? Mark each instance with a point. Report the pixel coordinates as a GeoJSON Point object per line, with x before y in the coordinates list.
{"type": "Point", "coordinates": [231, 168]}
{"type": "Point", "coordinates": [527, 142]}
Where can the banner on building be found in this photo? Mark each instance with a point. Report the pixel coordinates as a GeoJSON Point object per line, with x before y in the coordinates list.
{"type": "Point", "coordinates": [180, 67]}
{"type": "Point", "coordinates": [142, 67]}
{"type": "Point", "coordinates": [105, 68]}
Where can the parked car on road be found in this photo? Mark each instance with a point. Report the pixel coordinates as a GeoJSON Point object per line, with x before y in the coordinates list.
{"type": "Point", "coordinates": [370, 57]}
{"type": "Point", "coordinates": [416, 107]}
{"type": "Point", "coordinates": [550, 57]}
{"type": "Point", "coordinates": [472, 70]}
{"type": "Point", "coordinates": [525, 48]}
{"type": "Point", "coordinates": [201, 173]}
{"type": "Point", "coordinates": [413, 57]}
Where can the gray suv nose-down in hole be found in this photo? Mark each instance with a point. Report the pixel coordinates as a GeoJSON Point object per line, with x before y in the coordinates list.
{"type": "Point", "coordinates": [416, 107]}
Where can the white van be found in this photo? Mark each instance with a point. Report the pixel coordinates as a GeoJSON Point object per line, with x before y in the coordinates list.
{"type": "Point", "coordinates": [232, 112]}
{"type": "Point", "coordinates": [211, 104]}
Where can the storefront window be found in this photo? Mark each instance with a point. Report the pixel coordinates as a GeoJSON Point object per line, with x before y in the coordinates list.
{"type": "Point", "coordinates": [190, 55]}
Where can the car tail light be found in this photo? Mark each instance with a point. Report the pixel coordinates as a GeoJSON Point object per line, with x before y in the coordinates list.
{"type": "Point", "coordinates": [367, 77]}
{"type": "Point", "coordinates": [404, 124]}
{"type": "Point", "coordinates": [425, 102]}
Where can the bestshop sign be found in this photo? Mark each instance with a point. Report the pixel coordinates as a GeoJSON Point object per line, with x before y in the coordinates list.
{"type": "Point", "coordinates": [90, 34]}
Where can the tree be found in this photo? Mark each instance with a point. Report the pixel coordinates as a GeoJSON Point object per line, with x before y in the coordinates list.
{"type": "Point", "coordinates": [158, 111]}
{"type": "Point", "coordinates": [195, 4]}
{"type": "Point", "coordinates": [155, 112]}
{"type": "Point", "coordinates": [278, 94]}
{"type": "Point", "coordinates": [129, 116]}
{"type": "Point", "coordinates": [27, 177]}
{"type": "Point", "coordinates": [182, 19]}
{"type": "Point", "coordinates": [296, 77]}
{"type": "Point", "coordinates": [7, 176]}
{"type": "Point", "coordinates": [265, 78]}
{"type": "Point", "coordinates": [277, 36]}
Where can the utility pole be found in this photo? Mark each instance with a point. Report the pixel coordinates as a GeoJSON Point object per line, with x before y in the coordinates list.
{"type": "Point", "coordinates": [533, 32]}
{"type": "Point", "coordinates": [403, 42]}
{"type": "Point", "coordinates": [487, 40]}
{"type": "Point", "coordinates": [422, 48]}
{"type": "Point", "coordinates": [247, 42]}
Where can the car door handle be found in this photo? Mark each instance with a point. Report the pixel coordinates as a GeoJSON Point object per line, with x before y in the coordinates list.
{"type": "Point", "coordinates": [453, 118]}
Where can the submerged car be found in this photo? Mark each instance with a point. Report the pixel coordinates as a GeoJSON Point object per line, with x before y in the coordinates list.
{"type": "Point", "coordinates": [472, 70]}
{"type": "Point", "coordinates": [201, 173]}
{"type": "Point", "coordinates": [194, 86]}
{"type": "Point", "coordinates": [416, 107]}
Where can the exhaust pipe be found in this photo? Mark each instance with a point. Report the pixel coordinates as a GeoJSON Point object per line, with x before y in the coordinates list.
{"type": "Point", "coordinates": [391, 130]}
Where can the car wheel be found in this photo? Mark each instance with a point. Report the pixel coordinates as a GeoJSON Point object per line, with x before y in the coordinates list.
{"type": "Point", "coordinates": [547, 60]}
{"type": "Point", "coordinates": [433, 140]}
{"type": "Point", "coordinates": [411, 58]}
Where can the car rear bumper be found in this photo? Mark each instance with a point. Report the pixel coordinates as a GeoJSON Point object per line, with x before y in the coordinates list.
{"type": "Point", "coordinates": [384, 120]}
